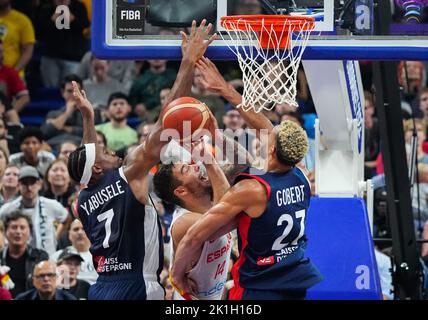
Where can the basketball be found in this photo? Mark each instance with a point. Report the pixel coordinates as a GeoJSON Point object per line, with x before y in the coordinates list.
{"type": "Point", "coordinates": [186, 115]}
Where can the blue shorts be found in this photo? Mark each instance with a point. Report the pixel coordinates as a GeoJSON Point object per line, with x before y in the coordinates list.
{"type": "Point", "coordinates": [126, 287]}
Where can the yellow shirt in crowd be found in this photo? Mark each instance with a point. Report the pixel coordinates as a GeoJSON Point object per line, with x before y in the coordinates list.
{"type": "Point", "coordinates": [16, 30]}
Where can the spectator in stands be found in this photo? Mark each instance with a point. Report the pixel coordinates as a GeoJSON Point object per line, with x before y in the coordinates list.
{"type": "Point", "coordinates": [9, 128]}
{"type": "Point", "coordinates": [423, 104]}
{"type": "Point", "coordinates": [153, 114]}
{"type": "Point", "coordinates": [412, 78]}
{"type": "Point", "coordinates": [9, 184]}
{"type": "Point", "coordinates": [145, 91]}
{"type": "Point", "coordinates": [4, 143]}
{"type": "Point", "coordinates": [65, 149]}
{"type": "Point", "coordinates": [18, 254]}
{"type": "Point", "coordinates": [31, 140]}
{"type": "Point", "coordinates": [44, 212]}
{"type": "Point", "coordinates": [66, 123]}
{"type": "Point", "coordinates": [58, 186]}
{"type": "Point", "coordinates": [101, 139]}
{"type": "Point", "coordinates": [68, 263]}
{"type": "Point", "coordinates": [2, 241]}
{"type": "Point", "coordinates": [80, 242]}
{"type": "Point", "coordinates": [4, 159]}
{"type": "Point", "coordinates": [143, 131]}
{"type": "Point", "coordinates": [44, 281]}
{"type": "Point", "coordinates": [119, 134]}
{"type": "Point", "coordinates": [234, 127]}
{"type": "Point", "coordinates": [27, 7]}
{"type": "Point", "coordinates": [371, 137]}
{"type": "Point", "coordinates": [247, 7]}
{"type": "Point", "coordinates": [214, 102]}
{"type": "Point", "coordinates": [17, 34]}
{"type": "Point", "coordinates": [58, 183]}
{"type": "Point", "coordinates": [13, 87]}
{"type": "Point", "coordinates": [121, 70]}
{"type": "Point", "coordinates": [63, 48]}
{"type": "Point", "coordinates": [100, 86]}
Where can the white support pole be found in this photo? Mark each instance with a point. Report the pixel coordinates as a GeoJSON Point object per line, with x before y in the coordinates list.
{"type": "Point", "coordinates": [337, 92]}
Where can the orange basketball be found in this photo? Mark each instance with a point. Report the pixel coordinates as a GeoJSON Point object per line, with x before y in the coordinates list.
{"type": "Point", "coordinates": [186, 115]}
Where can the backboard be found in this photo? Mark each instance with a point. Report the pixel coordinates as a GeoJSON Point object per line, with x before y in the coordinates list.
{"type": "Point", "coordinates": [144, 29]}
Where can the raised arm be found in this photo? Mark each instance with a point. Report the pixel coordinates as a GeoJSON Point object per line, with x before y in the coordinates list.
{"type": "Point", "coordinates": [246, 196]}
{"type": "Point", "coordinates": [193, 48]}
{"type": "Point", "coordinates": [213, 81]}
{"type": "Point", "coordinates": [87, 111]}
{"type": "Point", "coordinates": [148, 155]}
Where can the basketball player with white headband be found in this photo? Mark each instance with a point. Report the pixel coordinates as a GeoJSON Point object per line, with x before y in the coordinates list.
{"type": "Point", "coordinates": [115, 208]}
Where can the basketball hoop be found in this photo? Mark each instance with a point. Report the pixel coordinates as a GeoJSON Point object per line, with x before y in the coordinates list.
{"type": "Point", "coordinates": [269, 49]}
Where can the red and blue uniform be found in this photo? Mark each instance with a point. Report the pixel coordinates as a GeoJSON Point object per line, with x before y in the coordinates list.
{"type": "Point", "coordinates": [126, 240]}
{"type": "Point", "coordinates": [272, 263]}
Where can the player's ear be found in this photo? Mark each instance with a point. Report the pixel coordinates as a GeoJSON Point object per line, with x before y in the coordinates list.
{"type": "Point", "coordinates": [96, 169]}
{"type": "Point", "coordinates": [180, 191]}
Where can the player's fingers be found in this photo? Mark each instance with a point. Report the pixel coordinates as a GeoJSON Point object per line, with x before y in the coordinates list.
{"type": "Point", "coordinates": [192, 32]}
{"type": "Point", "coordinates": [201, 65]}
{"type": "Point", "coordinates": [211, 39]}
{"type": "Point", "coordinates": [83, 94]}
{"type": "Point", "coordinates": [202, 26]}
{"type": "Point", "coordinates": [183, 37]}
{"type": "Point", "coordinates": [204, 63]}
{"type": "Point", "coordinates": [208, 28]}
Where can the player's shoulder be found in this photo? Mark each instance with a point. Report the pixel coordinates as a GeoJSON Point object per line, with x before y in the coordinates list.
{"type": "Point", "coordinates": [182, 223]}
{"type": "Point", "coordinates": [301, 173]}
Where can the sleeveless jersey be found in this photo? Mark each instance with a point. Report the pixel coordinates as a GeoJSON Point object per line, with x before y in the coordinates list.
{"type": "Point", "coordinates": [272, 246]}
{"type": "Point", "coordinates": [210, 272]}
{"type": "Point", "coordinates": [125, 235]}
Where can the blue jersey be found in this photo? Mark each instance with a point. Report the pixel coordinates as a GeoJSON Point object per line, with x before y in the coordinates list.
{"type": "Point", "coordinates": [272, 246]}
{"type": "Point", "coordinates": [125, 235]}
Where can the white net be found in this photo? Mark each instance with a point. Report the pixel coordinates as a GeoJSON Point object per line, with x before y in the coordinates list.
{"type": "Point", "coordinates": [269, 60]}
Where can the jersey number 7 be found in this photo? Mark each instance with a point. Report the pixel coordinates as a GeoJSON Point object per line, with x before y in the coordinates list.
{"type": "Point", "coordinates": [107, 215]}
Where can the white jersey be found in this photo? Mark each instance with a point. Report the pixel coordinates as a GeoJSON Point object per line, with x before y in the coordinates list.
{"type": "Point", "coordinates": [210, 272]}
{"type": "Point", "coordinates": [44, 214]}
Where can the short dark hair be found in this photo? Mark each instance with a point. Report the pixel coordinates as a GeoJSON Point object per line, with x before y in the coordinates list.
{"type": "Point", "coordinates": [117, 95]}
{"type": "Point", "coordinates": [165, 183]}
{"type": "Point", "coordinates": [67, 141]}
{"type": "Point", "coordinates": [76, 163]}
{"type": "Point", "coordinates": [30, 132]}
{"type": "Point", "coordinates": [69, 78]}
{"type": "Point", "coordinates": [15, 215]}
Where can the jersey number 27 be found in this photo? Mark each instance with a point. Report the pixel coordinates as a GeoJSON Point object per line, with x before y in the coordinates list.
{"type": "Point", "coordinates": [278, 245]}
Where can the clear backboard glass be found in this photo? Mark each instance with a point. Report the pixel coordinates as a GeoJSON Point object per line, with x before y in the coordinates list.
{"type": "Point", "coordinates": [343, 29]}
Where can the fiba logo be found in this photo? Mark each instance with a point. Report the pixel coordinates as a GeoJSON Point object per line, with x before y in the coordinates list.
{"type": "Point", "coordinates": [130, 14]}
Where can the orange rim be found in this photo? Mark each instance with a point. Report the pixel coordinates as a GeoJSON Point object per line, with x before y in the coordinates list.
{"type": "Point", "coordinates": [277, 22]}
{"type": "Point", "coordinates": [265, 25]}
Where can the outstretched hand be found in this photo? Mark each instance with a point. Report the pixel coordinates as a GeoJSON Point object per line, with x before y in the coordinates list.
{"type": "Point", "coordinates": [82, 102]}
{"type": "Point", "coordinates": [211, 78]}
{"type": "Point", "coordinates": [193, 46]}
